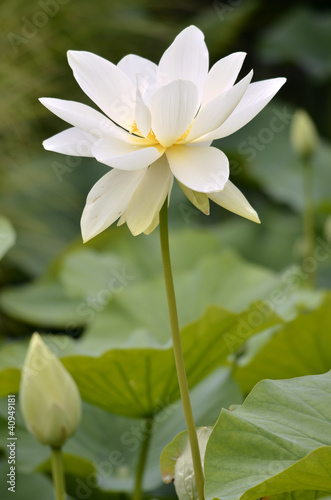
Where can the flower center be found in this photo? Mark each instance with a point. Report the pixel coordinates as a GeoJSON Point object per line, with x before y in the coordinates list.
{"type": "Point", "coordinates": [135, 130]}
{"type": "Point", "coordinates": [151, 135]}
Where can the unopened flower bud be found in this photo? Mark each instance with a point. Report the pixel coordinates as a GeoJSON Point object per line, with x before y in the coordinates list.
{"type": "Point", "coordinates": [327, 229]}
{"type": "Point", "coordinates": [303, 134]}
{"type": "Point", "coordinates": [49, 397]}
{"type": "Point", "coordinates": [177, 463]}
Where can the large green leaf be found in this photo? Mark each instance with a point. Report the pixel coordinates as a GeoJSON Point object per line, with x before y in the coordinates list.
{"type": "Point", "coordinates": [105, 449]}
{"type": "Point", "coordinates": [278, 441]}
{"type": "Point", "coordinates": [299, 347]}
{"type": "Point", "coordinates": [136, 380]}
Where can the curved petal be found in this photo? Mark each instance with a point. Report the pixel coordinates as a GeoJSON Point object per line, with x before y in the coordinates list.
{"type": "Point", "coordinates": [201, 169]}
{"type": "Point", "coordinates": [107, 200]}
{"type": "Point", "coordinates": [255, 99]}
{"type": "Point", "coordinates": [149, 197]}
{"type": "Point", "coordinates": [173, 108]}
{"type": "Point", "coordinates": [122, 220]}
{"type": "Point", "coordinates": [156, 220]}
{"type": "Point", "coordinates": [232, 199]}
{"type": "Point", "coordinates": [118, 154]}
{"type": "Point", "coordinates": [222, 76]}
{"type": "Point", "coordinates": [187, 59]}
{"type": "Point", "coordinates": [72, 141]}
{"type": "Point", "coordinates": [219, 109]}
{"type": "Point", "coordinates": [143, 117]}
{"type": "Point", "coordinates": [199, 200]}
{"type": "Point", "coordinates": [88, 119]}
{"type": "Point", "coordinates": [134, 65]}
{"type": "Point", "coordinates": [106, 84]}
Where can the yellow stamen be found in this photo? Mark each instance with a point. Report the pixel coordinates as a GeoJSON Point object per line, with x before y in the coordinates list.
{"type": "Point", "coordinates": [151, 135]}
{"type": "Point", "coordinates": [183, 137]}
{"type": "Point", "coordinates": [134, 129]}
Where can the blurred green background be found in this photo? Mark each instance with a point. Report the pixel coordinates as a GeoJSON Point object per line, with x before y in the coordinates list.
{"type": "Point", "coordinates": [52, 282]}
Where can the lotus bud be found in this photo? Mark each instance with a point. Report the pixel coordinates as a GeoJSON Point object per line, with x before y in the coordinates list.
{"type": "Point", "coordinates": [49, 397]}
{"type": "Point", "coordinates": [304, 135]}
{"type": "Point", "coordinates": [327, 229]}
{"type": "Point", "coordinates": [177, 464]}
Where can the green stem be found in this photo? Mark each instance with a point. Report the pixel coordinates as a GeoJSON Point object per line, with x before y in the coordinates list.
{"type": "Point", "coordinates": [58, 474]}
{"type": "Point", "coordinates": [179, 358]}
{"type": "Point", "coordinates": [308, 217]}
{"type": "Point", "coordinates": [137, 494]}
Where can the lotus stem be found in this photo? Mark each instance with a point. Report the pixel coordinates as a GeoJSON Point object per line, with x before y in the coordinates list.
{"type": "Point", "coordinates": [58, 474]}
{"type": "Point", "coordinates": [137, 494]}
{"type": "Point", "coordinates": [178, 351]}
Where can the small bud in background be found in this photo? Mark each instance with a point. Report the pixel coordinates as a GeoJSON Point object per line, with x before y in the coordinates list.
{"type": "Point", "coordinates": [327, 229]}
{"type": "Point", "coordinates": [303, 135]}
{"type": "Point", "coordinates": [177, 464]}
{"type": "Point", "coordinates": [49, 397]}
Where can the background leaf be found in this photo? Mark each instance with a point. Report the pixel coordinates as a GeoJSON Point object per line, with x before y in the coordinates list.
{"type": "Point", "coordinates": [299, 347]}
{"type": "Point", "coordinates": [137, 379]}
{"type": "Point", "coordinates": [299, 37]}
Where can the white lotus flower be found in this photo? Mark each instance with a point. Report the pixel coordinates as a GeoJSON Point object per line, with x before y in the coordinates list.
{"type": "Point", "coordinates": [158, 123]}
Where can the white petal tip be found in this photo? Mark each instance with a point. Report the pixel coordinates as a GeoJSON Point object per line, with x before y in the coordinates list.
{"type": "Point", "coordinates": [193, 27]}
{"type": "Point", "coordinates": [49, 101]}
{"type": "Point", "coordinates": [281, 80]}
{"type": "Point", "coordinates": [86, 238]}
{"type": "Point", "coordinates": [253, 217]}
{"type": "Point", "coordinates": [74, 56]}
{"type": "Point", "coordinates": [134, 232]}
{"type": "Point", "coordinates": [71, 53]}
{"type": "Point", "coordinates": [86, 235]}
{"type": "Point", "coordinates": [43, 100]}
